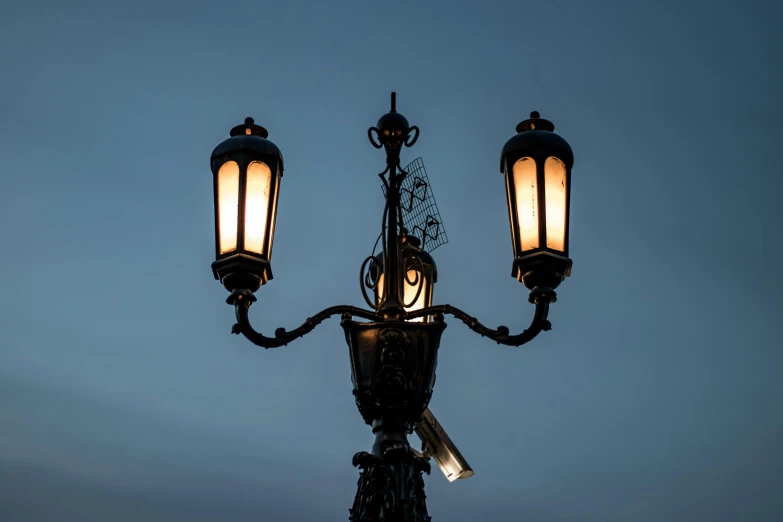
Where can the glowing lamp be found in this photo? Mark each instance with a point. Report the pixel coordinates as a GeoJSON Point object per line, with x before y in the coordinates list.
{"type": "Point", "coordinates": [418, 279]}
{"type": "Point", "coordinates": [247, 169]}
{"type": "Point", "coordinates": [537, 166]}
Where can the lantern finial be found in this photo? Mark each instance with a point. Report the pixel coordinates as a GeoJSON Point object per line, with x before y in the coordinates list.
{"type": "Point", "coordinates": [536, 122]}
{"type": "Point", "coordinates": [249, 128]}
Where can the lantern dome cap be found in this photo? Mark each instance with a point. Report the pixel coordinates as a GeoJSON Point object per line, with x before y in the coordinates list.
{"type": "Point", "coordinates": [393, 123]}
{"type": "Point", "coordinates": [411, 247]}
{"type": "Point", "coordinates": [393, 127]}
{"type": "Point", "coordinates": [247, 137]}
{"type": "Point", "coordinates": [536, 133]}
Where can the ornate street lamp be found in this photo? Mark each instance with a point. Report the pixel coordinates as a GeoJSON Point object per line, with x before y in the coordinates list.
{"type": "Point", "coordinates": [394, 351]}
{"type": "Point", "coordinates": [537, 164]}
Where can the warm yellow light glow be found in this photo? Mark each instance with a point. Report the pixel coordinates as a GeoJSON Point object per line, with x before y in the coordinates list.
{"type": "Point", "coordinates": [409, 294]}
{"type": "Point", "coordinates": [555, 197]}
{"type": "Point", "coordinates": [259, 184]}
{"type": "Point", "coordinates": [526, 191]}
{"type": "Point", "coordinates": [228, 205]}
{"type": "Point", "coordinates": [379, 289]}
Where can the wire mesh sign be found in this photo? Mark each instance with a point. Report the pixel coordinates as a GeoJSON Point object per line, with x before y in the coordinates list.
{"type": "Point", "coordinates": [419, 212]}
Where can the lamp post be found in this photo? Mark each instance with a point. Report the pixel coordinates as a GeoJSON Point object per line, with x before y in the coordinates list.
{"type": "Point", "coordinates": [393, 352]}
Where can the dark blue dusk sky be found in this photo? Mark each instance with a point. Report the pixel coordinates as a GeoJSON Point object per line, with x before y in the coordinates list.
{"type": "Point", "coordinates": [656, 397]}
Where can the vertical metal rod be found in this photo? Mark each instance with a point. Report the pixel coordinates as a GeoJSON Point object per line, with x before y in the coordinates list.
{"type": "Point", "coordinates": [394, 102]}
{"type": "Point", "coordinates": [392, 302]}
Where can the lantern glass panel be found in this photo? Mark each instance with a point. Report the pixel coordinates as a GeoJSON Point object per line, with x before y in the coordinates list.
{"type": "Point", "coordinates": [259, 184]}
{"type": "Point", "coordinates": [228, 205]}
{"type": "Point", "coordinates": [555, 197]}
{"type": "Point", "coordinates": [274, 218]}
{"type": "Point", "coordinates": [526, 192]}
{"type": "Point", "coordinates": [409, 292]}
{"type": "Point", "coordinates": [510, 206]}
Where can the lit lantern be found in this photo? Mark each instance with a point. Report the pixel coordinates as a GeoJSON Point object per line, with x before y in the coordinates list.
{"type": "Point", "coordinates": [247, 169]}
{"type": "Point", "coordinates": [537, 165]}
{"type": "Point", "coordinates": [418, 278]}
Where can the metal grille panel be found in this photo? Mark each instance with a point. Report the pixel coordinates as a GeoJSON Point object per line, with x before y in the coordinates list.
{"type": "Point", "coordinates": [420, 215]}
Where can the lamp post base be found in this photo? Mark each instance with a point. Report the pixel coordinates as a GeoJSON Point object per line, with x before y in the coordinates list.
{"type": "Point", "coordinates": [391, 488]}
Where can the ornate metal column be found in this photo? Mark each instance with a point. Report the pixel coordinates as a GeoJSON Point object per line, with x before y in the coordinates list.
{"type": "Point", "coordinates": [392, 365]}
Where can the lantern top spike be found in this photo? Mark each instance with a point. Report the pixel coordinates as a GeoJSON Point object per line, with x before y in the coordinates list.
{"type": "Point", "coordinates": [536, 122]}
{"type": "Point", "coordinates": [249, 128]}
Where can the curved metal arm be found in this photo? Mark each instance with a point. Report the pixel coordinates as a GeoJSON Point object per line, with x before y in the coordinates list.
{"type": "Point", "coordinates": [541, 297]}
{"type": "Point", "coordinates": [242, 299]}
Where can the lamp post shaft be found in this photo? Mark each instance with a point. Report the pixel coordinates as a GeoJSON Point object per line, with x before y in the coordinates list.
{"type": "Point", "coordinates": [392, 306]}
{"type": "Point", "coordinates": [390, 489]}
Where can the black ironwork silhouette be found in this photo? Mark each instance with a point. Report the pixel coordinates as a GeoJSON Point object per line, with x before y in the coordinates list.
{"type": "Point", "coordinates": [419, 214]}
{"type": "Point", "coordinates": [393, 358]}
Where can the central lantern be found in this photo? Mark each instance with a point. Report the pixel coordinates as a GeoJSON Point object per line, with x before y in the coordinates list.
{"type": "Point", "coordinates": [419, 276]}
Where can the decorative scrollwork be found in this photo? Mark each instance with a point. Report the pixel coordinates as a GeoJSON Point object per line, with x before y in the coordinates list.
{"type": "Point", "coordinates": [415, 136]}
{"type": "Point", "coordinates": [242, 299]}
{"type": "Point", "coordinates": [365, 281]}
{"type": "Point", "coordinates": [391, 377]}
{"type": "Point", "coordinates": [391, 489]}
{"type": "Point", "coordinates": [392, 338]}
{"type": "Point", "coordinates": [418, 282]}
{"type": "Point", "coordinates": [375, 144]}
{"type": "Point", "coordinates": [417, 272]}
{"type": "Point", "coordinates": [541, 297]}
